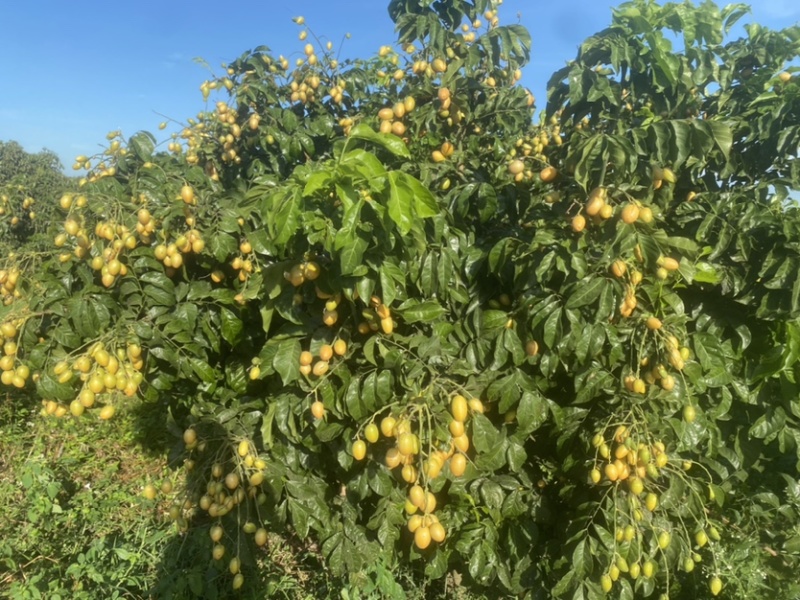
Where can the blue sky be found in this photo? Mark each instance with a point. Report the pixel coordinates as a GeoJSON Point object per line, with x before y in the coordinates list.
{"type": "Point", "coordinates": [69, 73]}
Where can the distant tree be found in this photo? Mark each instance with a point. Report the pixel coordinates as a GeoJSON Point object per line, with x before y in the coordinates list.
{"type": "Point", "coordinates": [29, 182]}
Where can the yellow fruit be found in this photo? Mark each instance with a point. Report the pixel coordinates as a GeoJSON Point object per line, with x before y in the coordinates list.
{"type": "Point", "coordinates": [387, 325]}
{"type": "Point", "coordinates": [653, 323]}
{"type": "Point", "coordinates": [611, 471]}
{"type": "Point", "coordinates": [595, 475]}
{"type": "Point", "coordinates": [393, 458]}
{"type": "Point", "coordinates": [594, 206]}
{"type": "Point", "coordinates": [456, 428]}
{"type": "Point", "coordinates": [548, 174]}
{"type": "Point", "coordinates": [459, 408]}
{"type": "Point", "coordinates": [437, 532]}
{"type": "Point", "coordinates": [461, 443]}
{"type": "Point", "coordinates": [107, 412]}
{"type": "Point", "coordinates": [149, 492]}
{"type": "Point", "coordinates": [606, 583]}
{"type": "Point", "coordinates": [414, 523]}
{"type": "Point", "coordinates": [238, 581]}
{"type": "Point", "coordinates": [422, 537]}
{"type": "Point", "coordinates": [359, 449]}
{"type": "Point", "coordinates": [306, 358]}
{"type": "Point", "coordinates": [701, 537]}
{"type": "Point", "coordinates": [618, 268]}
{"type": "Point", "coordinates": [651, 501]}
{"type": "Point", "coordinates": [388, 425]}
{"type": "Point", "coordinates": [339, 347]}
{"type": "Point", "coordinates": [458, 464]}
{"type": "Point", "coordinates": [318, 409]}
{"type": "Point", "coordinates": [670, 264]}
{"type": "Point", "coordinates": [715, 585]}
{"type": "Point", "coordinates": [187, 194]}
{"type": "Point", "coordinates": [261, 536]}
{"type": "Point", "coordinates": [407, 443]}
{"type": "Point", "coordinates": [326, 352]}
{"type": "Point", "coordinates": [516, 166]}
{"type": "Point", "coordinates": [320, 368]}
{"type": "Point", "coordinates": [630, 213]}
{"type": "Point", "coordinates": [231, 481]}
{"type": "Point", "coordinates": [578, 223]}
{"type": "Point", "coordinates": [371, 433]}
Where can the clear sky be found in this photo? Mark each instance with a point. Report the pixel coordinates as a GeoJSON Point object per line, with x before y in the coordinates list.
{"type": "Point", "coordinates": [70, 72]}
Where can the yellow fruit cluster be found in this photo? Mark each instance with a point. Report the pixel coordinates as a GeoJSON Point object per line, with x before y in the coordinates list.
{"type": "Point", "coordinates": [625, 458]}
{"type": "Point", "coordinates": [377, 317]}
{"type": "Point", "coordinates": [234, 480]}
{"type": "Point", "coordinates": [318, 368]}
{"type": "Point", "coordinates": [12, 374]}
{"type": "Point", "coordinates": [391, 119]}
{"type": "Point", "coordinates": [102, 371]}
{"type": "Point", "coordinates": [302, 272]}
{"type": "Point", "coordinates": [9, 278]}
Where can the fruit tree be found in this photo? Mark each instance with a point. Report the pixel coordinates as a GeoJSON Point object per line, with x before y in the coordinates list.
{"type": "Point", "coordinates": [396, 314]}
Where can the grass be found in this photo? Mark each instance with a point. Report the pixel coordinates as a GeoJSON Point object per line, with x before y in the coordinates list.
{"type": "Point", "coordinates": [79, 528]}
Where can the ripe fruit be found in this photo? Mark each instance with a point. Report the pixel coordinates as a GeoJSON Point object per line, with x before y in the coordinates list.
{"type": "Point", "coordinates": [371, 433]}
{"type": "Point", "coordinates": [664, 538]}
{"type": "Point", "coordinates": [437, 532]}
{"type": "Point", "coordinates": [326, 352]}
{"type": "Point", "coordinates": [318, 409]}
{"type": "Point", "coordinates": [107, 412]}
{"type": "Point", "coordinates": [149, 492]}
{"type": "Point", "coordinates": [594, 205]}
{"type": "Point", "coordinates": [459, 408]}
{"type": "Point", "coordinates": [532, 348]}
{"type": "Point", "coordinates": [653, 323]}
{"type": "Point", "coordinates": [715, 585]}
{"type": "Point", "coordinates": [261, 536]}
{"type": "Point", "coordinates": [578, 223]}
{"type": "Point", "coordinates": [231, 481]}
{"type": "Point", "coordinates": [701, 537]}
{"type": "Point", "coordinates": [516, 166]}
{"type": "Point", "coordinates": [422, 537]}
{"type": "Point", "coordinates": [548, 174]}
{"type": "Point", "coordinates": [458, 464]}
{"type": "Point", "coordinates": [407, 443]}
{"type": "Point", "coordinates": [611, 471]}
{"type": "Point", "coordinates": [630, 213]}
{"type": "Point", "coordinates": [388, 425]}
{"type": "Point", "coordinates": [187, 194]}
{"type": "Point", "coordinates": [339, 347]}
{"type": "Point", "coordinates": [320, 368]}
{"type": "Point", "coordinates": [359, 449]}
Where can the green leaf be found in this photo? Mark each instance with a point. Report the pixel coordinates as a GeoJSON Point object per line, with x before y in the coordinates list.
{"type": "Point", "coordinates": [400, 204]}
{"type": "Point", "coordinates": [232, 326]}
{"type": "Point", "coordinates": [588, 290]}
{"type": "Point", "coordinates": [425, 312]}
{"type": "Point", "coordinates": [287, 360]}
{"type": "Point", "coordinates": [389, 142]}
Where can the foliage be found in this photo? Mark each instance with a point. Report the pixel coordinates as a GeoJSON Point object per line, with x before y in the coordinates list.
{"type": "Point", "coordinates": [29, 183]}
{"type": "Point", "coordinates": [403, 321]}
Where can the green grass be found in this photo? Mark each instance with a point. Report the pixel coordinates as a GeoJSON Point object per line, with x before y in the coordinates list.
{"type": "Point", "coordinates": [78, 527]}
